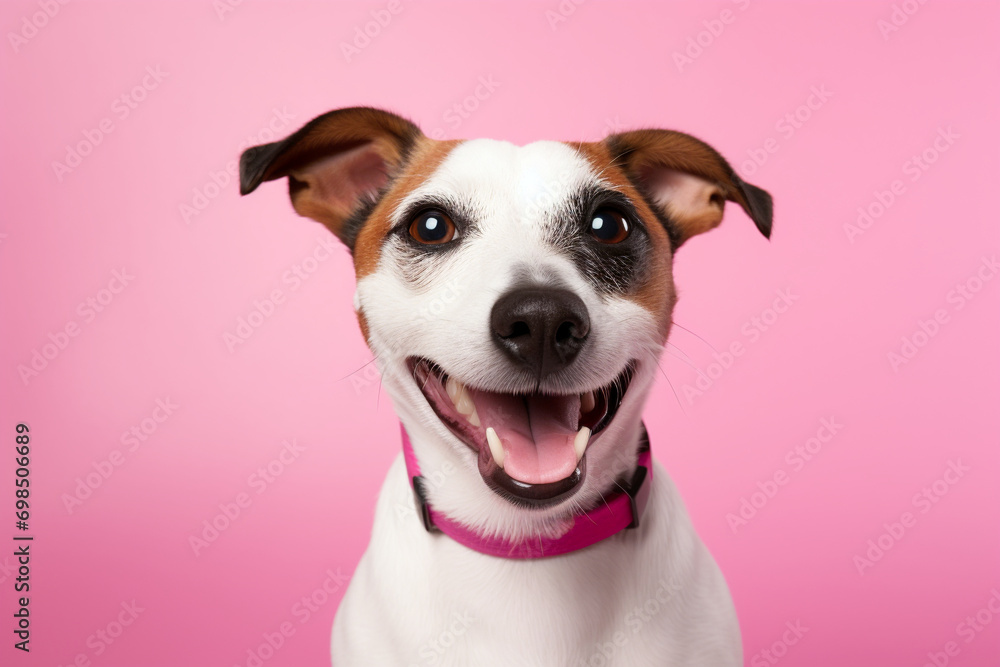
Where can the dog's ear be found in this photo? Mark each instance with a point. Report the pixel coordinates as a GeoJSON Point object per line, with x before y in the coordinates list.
{"type": "Point", "coordinates": [334, 164]}
{"type": "Point", "coordinates": [686, 181]}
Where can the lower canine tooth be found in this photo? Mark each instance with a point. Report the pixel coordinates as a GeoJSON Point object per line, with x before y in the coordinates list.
{"type": "Point", "coordinates": [496, 448]}
{"type": "Point", "coordinates": [580, 442]}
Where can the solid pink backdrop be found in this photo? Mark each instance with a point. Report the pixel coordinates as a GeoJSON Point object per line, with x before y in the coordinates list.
{"type": "Point", "coordinates": [824, 105]}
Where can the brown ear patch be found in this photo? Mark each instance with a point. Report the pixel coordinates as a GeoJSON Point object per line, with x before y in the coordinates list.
{"type": "Point", "coordinates": [334, 164]}
{"type": "Point", "coordinates": [687, 181]}
{"type": "Point", "coordinates": [328, 190]}
{"type": "Point", "coordinates": [325, 135]}
{"type": "Point", "coordinates": [692, 205]}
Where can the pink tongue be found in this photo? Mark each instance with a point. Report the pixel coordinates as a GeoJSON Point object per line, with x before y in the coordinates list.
{"type": "Point", "coordinates": [537, 433]}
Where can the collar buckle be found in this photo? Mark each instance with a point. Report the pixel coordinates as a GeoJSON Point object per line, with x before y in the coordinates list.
{"type": "Point", "coordinates": [638, 490]}
{"type": "Point", "coordinates": [423, 509]}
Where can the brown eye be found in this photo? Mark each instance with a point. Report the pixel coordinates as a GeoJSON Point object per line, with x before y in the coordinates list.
{"type": "Point", "coordinates": [609, 226]}
{"type": "Point", "coordinates": [432, 228]}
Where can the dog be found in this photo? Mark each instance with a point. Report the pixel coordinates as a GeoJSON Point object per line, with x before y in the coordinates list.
{"type": "Point", "coordinates": [517, 300]}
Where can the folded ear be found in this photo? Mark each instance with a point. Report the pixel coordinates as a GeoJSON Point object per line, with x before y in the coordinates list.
{"type": "Point", "coordinates": [335, 164]}
{"type": "Point", "coordinates": [686, 181]}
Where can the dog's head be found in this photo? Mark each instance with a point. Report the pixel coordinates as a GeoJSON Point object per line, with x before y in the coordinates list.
{"type": "Point", "coordinates": [517, 298]}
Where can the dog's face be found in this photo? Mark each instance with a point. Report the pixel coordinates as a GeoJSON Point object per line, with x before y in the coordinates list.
{"type": "Point", "coordinates": [517, 299]}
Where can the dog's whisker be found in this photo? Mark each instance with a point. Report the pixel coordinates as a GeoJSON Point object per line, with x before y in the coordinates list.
{"type": "Point", "coordinates": [427, 378]}
{"type": "Point", "coordinates": [683, 357]}
{"type": "Point", "coordinates": [378, 393]}
{"type": "Point", "coordinates": [674, 391]}
{"type": "Point", "coordinates": [677, 324]}
{"type": "Point", "coordinates": [366, 364]}
{"type": "Point", "coordinates": [605, 500]}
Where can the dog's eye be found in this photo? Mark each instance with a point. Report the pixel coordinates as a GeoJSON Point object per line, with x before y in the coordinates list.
{"type": "Point", "coordinates": [609, 226]}
{"type": "Point", "coordinates": [432, 228]}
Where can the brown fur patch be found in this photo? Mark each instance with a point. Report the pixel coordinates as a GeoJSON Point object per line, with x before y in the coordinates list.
{"type": "Point", "coordinates": [343, 128]}
{"type": "Point", "coordinates": [327, 190]}
{"type": "Point", "coordinates": [656, 294]}
{"type": "Point", "coordinates": [648, 148]}
{"type": "Point", "coordinates": [427, 155]}
{"type": "Point", "coordinates": [333, 162]}
{"type": "Point", "coordinates": [692, 210]}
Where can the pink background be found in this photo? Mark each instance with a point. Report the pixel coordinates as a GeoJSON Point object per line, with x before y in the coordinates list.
{"type": "Point", "coordinates": [606, 67]}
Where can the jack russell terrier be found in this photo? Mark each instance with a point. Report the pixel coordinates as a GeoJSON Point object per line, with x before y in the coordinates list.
{"type": "Point", "coordinates": [517, 299]}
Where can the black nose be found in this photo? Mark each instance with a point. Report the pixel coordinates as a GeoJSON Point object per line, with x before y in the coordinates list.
{"type": "Point", "coordinates": [540, 328]}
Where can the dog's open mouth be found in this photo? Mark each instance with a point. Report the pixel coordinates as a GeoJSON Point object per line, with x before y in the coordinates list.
{"type": "Point", "coordinates": [531, 447]}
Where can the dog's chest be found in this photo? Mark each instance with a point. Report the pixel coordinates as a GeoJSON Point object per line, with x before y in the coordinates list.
{"type": "Point", "coordinates": [622, 602]}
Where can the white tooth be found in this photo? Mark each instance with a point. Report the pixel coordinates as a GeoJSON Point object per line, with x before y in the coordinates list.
{"type": "Point", "coordinates": [474, 418]}
{"type": "Point", "coordinates": [587, 402]}
{"type": "Point", "coordinates": [580, 442]}
{"type": "Point", "coordinates": [496, 448]}
{"type": "Point", "coordinates": [454, 388]}
{"type": "Point", "coordinates": [464, 403]}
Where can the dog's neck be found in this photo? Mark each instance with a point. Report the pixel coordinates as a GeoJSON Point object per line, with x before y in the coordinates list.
{"type": "Point", "coordinates": [621, 510]}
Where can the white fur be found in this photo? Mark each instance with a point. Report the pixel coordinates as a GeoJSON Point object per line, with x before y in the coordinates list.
{"type": "Point", "coordinates": [556, 611]}
{"type": "Point", "coordinates": [652, 596]}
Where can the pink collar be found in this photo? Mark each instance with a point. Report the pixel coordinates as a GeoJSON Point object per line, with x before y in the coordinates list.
{"type": "Point", "coordinates": [620, 511]}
